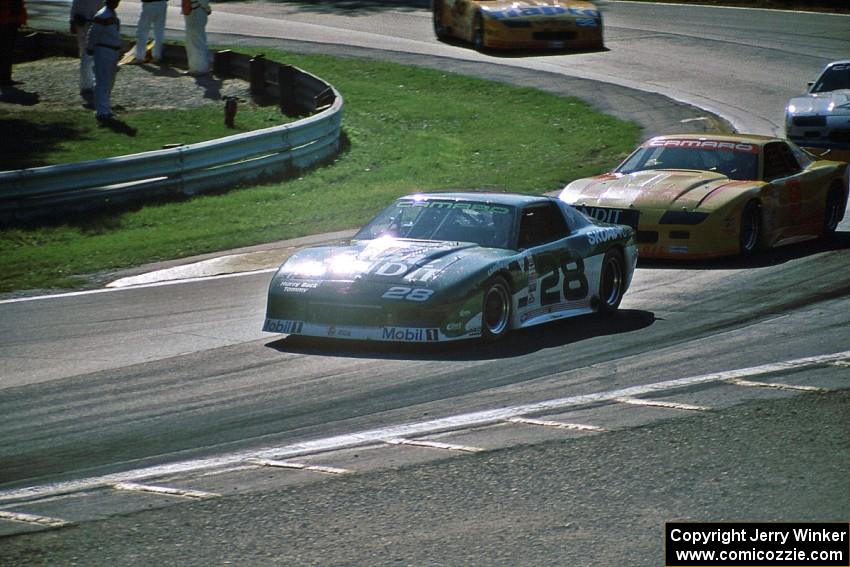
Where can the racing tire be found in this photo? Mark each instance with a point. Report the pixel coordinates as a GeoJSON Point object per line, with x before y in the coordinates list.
{"type": "Point", "coordinates": [750, 233]}
{"type": "Point", "coordinates": [833, 211]}
{"type": "Point", "coordinates": [440, 30]}
{"type": "Point", "coordinates": [612, 281]}
{"type": "Point", "coordinates": [496, 310]}
{"type": "Point", "coordinates": [478, 33]}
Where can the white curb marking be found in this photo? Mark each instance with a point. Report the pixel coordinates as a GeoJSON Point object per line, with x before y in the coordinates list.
{"type": "Point", "coordinates": [774, 385]}
{"type": "Point", "coordinates": [33, 519]}
{"type": "Point", "coordinates": [661, 404]}
{"type": "Point", "coordinates": [451, 423]}
{"type": "Point", "coordinates": [433, 445]}
{"type": "Point", "coordinates": [558, 424]}
{"type": "Point", "coordinates": [299, 466]}
{"type": "Point", "coordinates": [133, 487]}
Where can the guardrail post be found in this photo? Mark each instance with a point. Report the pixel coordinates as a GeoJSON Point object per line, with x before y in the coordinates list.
{"type": "Point", "coordinates": [286, 89]}
{"type": "Point", "coordinates": [221, 64]}
{"type": "Point", "coordinates": [257, 74]}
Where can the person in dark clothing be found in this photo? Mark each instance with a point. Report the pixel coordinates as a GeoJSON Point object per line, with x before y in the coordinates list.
{"type": "Point", "coordinates": [13, 14]}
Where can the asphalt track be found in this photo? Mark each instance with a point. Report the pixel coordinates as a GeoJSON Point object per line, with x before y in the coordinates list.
{"type": "Point", "coordinates": [102, 384]}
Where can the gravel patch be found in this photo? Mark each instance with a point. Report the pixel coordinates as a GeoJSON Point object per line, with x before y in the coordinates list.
{"type": "Point", "coordinates": [55, 81]}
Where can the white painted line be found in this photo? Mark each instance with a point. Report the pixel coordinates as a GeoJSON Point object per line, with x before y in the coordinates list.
{"type": "Point", "coordinates": [558, 424]}
{"type": "Point", "coordinates": [141, 286]}
{"type": "Point", "coordinates": [372, 436]}
{"type": "Point", "coordinates": [840, 363]}
{"type": "Point", "coordinates": [661, 404]}
{"type": "Point", "coordinates": [434, 445]}
{"type": "Point", "coordinates": [133, 487]}
{"type": "Point", "coordinates": [774, 385]}
{"type": "Point", "coordinates": [299, 466]}
{"type": "Point", "coordinates": [33, 519]}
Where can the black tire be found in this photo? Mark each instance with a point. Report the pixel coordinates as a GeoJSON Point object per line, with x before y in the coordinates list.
{"type": "Point", "coordinates": [440, 30]}
{"type": "Point", "coordinates": [750, 232]}
{"type": "Point", "coordinates": [833, 211]}
{"type": "Point", "coordinates": [496, 310]}
{"type": "Point", "coordinates": [478, 32]}
{"type": "Point", "coordinates": [612, 281]}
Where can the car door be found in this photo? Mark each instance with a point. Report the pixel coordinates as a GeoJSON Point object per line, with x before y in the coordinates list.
{"type": "Point", "coordinates": [558, 283]}
{"type": "Point", "coordinates": [784, 174]}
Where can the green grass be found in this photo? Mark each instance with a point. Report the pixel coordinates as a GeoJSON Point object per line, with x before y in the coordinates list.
{"type": "Point", "coordinates": [409, 129]}
{"type": "Point", "coordinates": [67, 136]}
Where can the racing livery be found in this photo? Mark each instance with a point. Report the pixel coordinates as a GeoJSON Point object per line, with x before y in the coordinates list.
{"type": "Point", "coordinates": [820, 120]}
{"type": "Point", "coordinates": [447, 266]}
{"type": "Point", "coordinates": [526, 24]}
{"type": "Point", "coordinates": [704, 196]}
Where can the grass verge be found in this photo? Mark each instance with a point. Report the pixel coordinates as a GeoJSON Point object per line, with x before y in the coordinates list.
{"type": "Point", "coordinates": [409, 130]}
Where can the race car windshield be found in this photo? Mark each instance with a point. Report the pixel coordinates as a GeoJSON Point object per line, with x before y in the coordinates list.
{"type": "Point", "coordinates": [480, 223]}
{"type": "Point", "coordinates": [741, 166]}
{"type": "Point", "coordinates": [835, 78]}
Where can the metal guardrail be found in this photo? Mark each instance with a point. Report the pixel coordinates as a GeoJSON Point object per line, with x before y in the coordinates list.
{"type": "Point", "coordinates": [55, 191]}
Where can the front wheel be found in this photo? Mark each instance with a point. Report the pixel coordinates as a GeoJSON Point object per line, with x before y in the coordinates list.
{"type": "Point", "coordinates": [834, 211]}
{"type": "Point", "coordinates": [612, 281]}
{"type": "Point", "coordinates": [478, 32]}
{"type": "Point", "coordinates": [496, 310]}
{"type": "Point", "coordinates": [440, 30]}
{"type": "Point", "coordinates": [750, 228]}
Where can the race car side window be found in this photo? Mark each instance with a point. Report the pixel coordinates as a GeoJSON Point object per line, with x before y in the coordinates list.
{"type": "Point", "coordinates": [779, 162]}
{"type": "Point", "coordinates": [540, 224]}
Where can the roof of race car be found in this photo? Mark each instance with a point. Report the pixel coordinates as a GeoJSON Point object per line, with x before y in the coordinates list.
{"type": "Point", "coordinates": [755, 139]}
{"type": "Point", "coordinates": [508, 199]}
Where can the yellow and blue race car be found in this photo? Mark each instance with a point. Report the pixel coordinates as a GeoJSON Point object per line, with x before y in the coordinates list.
{"type": "Point", "coordinates": [527, 24]}
{"type": "Point", "coordinates": [703, 196]}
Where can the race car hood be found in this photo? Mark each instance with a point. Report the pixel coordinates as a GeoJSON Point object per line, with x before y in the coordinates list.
{"type": "Point", "coordinates": [650, 189]}
{"type": "Point", "coordinates": [382, 260]}
{"type": "Point", "coordinates": [834, 103]}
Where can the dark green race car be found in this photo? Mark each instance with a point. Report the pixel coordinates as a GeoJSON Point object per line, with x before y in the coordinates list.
{"type": "Point", "coordinates": [448, 266]}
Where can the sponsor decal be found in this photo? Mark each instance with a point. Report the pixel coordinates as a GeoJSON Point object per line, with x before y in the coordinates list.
{"type": "Point", "coordinates": [281, 326]}
{"type": "Point", "coordinates": [407, 334]}
{"type": "Point", "coordinates": [334, 331]}
{"type": "Point", "coordinates": [612, 216]}
{"type": "Point", "coordinates": [678, 249]}
{"type": "Point", "coordinates": [604, 235]}
{"type": "Point", "coordinates": [419, 294]}
{"type": "Point", "coordinates": [492, 209]}
{"type": "Point", "coordinates": [289, 286]}
{"type": "Point", "coordinates": [586, 15]}
{"type": "Point", "coordinates": [702, 144]}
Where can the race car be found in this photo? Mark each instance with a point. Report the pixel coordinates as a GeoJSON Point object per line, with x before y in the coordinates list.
{"type": "Point", "coordinates": [820, 120]}
{"type": "Point", "coordinates": [527, 24]}
{"type": "Point", "coordinates": [448, 266]}
{"type": "Point", "coordinates": [705, 196]}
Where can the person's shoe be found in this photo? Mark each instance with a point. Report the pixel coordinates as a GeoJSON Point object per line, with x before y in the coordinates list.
{"type": "Point", "coordinates": [10, 83]}
{"type": "Point", "coordinates": [103, 118]}
{"type": "Point", "coordinates": [136, 62]}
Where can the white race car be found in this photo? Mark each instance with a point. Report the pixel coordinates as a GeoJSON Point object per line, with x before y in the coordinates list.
{"type": "Point", "coordinates": [820, 120]}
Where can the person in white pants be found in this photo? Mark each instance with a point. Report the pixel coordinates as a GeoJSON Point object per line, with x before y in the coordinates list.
{"type": "Point", "coordinates": [82, 13]}
{"type": "Point", "coordinates": [104, 43]}
{"type": "Point", "coordinates": [153, 15]}
{"type": "Point", "coordinates": [196, 13]}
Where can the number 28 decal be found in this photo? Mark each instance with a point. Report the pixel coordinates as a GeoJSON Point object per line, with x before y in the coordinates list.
{"type": "Point", "coordinates": [562, 274]}
{"type": "Point", "coordinates": [410, 294]}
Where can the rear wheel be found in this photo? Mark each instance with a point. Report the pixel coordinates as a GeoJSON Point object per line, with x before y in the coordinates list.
{"type": "Point", "coordinates": [834, 211]}
{"type": "Point", "coordinates": [612, 281]}
{"type": "Point", "coordinates": [496, 310]}
{"type": "Point", "coordinates": [750, 228]}
{"type": "Point", "coordinates": [478, 32]}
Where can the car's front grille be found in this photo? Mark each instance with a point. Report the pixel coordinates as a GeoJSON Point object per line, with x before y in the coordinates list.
{"type": "Point", "coordinates": [554, 35]}
{"type": "Point", "coordinates": [809, 121]}
{"type": "Point", "coordinates": [646, 237]}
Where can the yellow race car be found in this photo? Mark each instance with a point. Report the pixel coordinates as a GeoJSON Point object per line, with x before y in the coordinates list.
{"type": "Point", "coordinates": [528, 24]}
{"type": "Point", "coordinates": [705, 196]}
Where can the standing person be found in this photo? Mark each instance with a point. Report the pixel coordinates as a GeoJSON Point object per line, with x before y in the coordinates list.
{"type": "Point", "coordinates": [153, 14]}
{"type": "Point", "coordinates": [104, 43]}
{"type": "Point", "coordinates": [13, 14]}
{"type": "Point", "coordinates": [195, 13]}
{"type": "Point", "coordinates": [82, 13]}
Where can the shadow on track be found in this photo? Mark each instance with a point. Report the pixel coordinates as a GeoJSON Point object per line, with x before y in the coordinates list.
{"type": "Point", "coordinates": [356, 7]}
{"type": "Point", "coordinates": [762, 259]}
{"type": "Point", "coordinates": [517, 343]}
